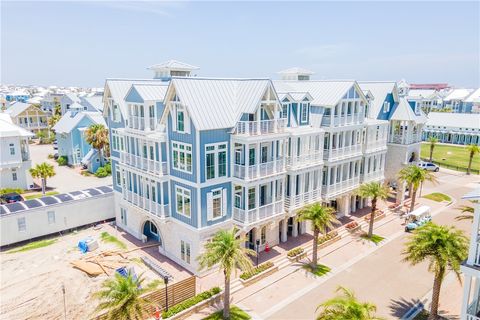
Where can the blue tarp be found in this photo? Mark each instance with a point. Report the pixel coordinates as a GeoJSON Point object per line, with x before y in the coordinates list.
{"type": "Point", "coordinates": [82, 245]}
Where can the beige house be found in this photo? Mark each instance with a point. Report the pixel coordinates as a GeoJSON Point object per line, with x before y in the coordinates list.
{"type": "Point", "coordinates": [28, 116]}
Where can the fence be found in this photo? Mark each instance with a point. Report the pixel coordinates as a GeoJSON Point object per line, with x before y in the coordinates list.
{"type": "Point", "coordinates": [177, 292]}
{"type": "Point", "coordinates": [453, 167]}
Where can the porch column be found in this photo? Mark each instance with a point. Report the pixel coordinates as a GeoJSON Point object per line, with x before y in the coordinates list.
{"type": "Point", "coordinates": [400, 192]}
{"type": "Point", "coordinates": [466, 293]}
{"type": "Point", "coordinates": [353, 204]}
{"type": "Point", "coordinates": [295, 227]}
{"type": "Point", "coordinates": [257, 158]}
{"type": "Point", "coordinates": [257, 202]}
{"type": "Point", "coordinates": [284, 230]}
{"type": "Point", "coordinates": [274, 151]}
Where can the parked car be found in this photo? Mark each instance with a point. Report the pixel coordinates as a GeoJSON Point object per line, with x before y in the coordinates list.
{"type": "Point", "coordinates": [429, 166]}
{"type": "Point", "coordinates": [417, 218]}
{"type": "Point", "coordinates": [10, 197]}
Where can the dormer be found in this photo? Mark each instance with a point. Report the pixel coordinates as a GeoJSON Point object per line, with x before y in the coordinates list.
{"type": "Point", "coordinates": [172, 68]}
{"type": "Point", "coordinates": [297, 74]}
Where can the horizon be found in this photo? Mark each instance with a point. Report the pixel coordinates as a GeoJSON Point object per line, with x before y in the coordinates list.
{"type": "Point", "coordinates": [230, 40]}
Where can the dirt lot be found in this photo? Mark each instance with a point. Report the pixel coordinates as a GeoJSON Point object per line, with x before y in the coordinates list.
{"type": "Point", "coordinates": [31, 281]}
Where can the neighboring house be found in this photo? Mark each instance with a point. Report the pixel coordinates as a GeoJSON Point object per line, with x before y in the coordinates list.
{"type": "Point", "coordinates": [471, 267]}
{"type": "Point", "coordinates": [207, 154]}
{"type": "Point", "coordinates": [14, 155]}
{"type": "Point", "coordinates": [72, 101]}
{"type": "Point", "coordinates": [472, 102]}
{"type": "Point", "coordinates": [28, 116]}
{"type": "Point", "coordinates": [455, 100]}
{"type": "Point", "coordinates": [406, 123]}
{"type": "Point", "coordinates": [50, 100]}
{"type": "Point", "coordinates": [456, 128]}
{"type": "Point", "coordinates": [70, 133]}
{"type": "Point", "coordinates": [18, 95]}
{"type": "Point", "coordinates": [427, 99]}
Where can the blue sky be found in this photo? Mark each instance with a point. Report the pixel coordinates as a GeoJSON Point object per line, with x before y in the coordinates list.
{"type": "Point", "coordinates": [81, 43]}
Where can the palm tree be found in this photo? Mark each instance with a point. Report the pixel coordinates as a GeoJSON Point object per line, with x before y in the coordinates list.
{"type": "Point", "coordinates": [52, 121]}
{"type": "Point", "coordinates": [97, 136]}
{"type": "Point", "coordinates": [432, 141]}
{"type": "Point", "coordinates": [122, 298]}
{"type": "Point", "coordinates": [473, 149]}
{"type": "Point", "coordinates": [375, 191]}
{"type": "Point", "coordinates": [444, 248]}
{"type": "Point", "coordinates": [43, 171]}
{"type": "Point", "coordinates": [346, 306]}
{"type": "Point", "coordinates": [415, 176]}
{"type": "Point", "coordinates": [226, 250]}
{"type": "Point", "coordinates": [321, 219]}
{"type": "Point", "coordinates": [469, 213]}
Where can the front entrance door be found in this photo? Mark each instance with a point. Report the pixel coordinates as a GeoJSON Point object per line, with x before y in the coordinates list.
{"type": "Point", "coordinates": [250, 243]}
{"type": "Point", "coordinates": [290, 227]}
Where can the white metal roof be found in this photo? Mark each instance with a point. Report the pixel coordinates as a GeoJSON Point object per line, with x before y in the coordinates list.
{"type": "Point", "coordinates": [404, 112]}
{"type": "Point", "coordinates": [173, 64]}
{"type": "Point", "coordinates": [421, 93]}
{"type": "Point", "coordinates": [151, 92]}
{"type": "Point", "coordinates": [18, 107]}
{"type": "Point", "coordinates": [324, 92]}
{"type": "Point", "coordinates": [296, 70]}
{"type": "Point", "coordinates": [70, 120]}
{"type": "Point", "coordinates": [474, 97]}
{"type": "Point", "coordinates": [219, 103]}
{"type": "Point", "coordinates": [473, 195]}
{"type": "Point", "coordinates": [460, 120]}
{"type": "Point", "coordinates": [379, 90]}
{"type": "Point", "coordinates": [8, 129]}
{"type": "Point", "coordinates": [458, 94]}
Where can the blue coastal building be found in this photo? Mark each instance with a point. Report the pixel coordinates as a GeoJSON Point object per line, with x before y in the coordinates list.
{"type": "Point", "coordinates": [194, 155]}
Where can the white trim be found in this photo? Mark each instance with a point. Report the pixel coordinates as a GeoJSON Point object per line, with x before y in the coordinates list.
{"type": "Point", "coordinates": [183, 190]}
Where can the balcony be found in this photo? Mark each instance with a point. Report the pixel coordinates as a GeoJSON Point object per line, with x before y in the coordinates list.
{"type": "Point", "coordinates": [373, 176]}
{"type": "Point", "coordinates": [255, 128]}
{"type": "Point", "coordinates": [300, 200]}
{"type": "Point", "coordinates": [406, 139]}
{"type": "Point", "coordinates": [336, 121]}
{"type": "Point", "coordinates": [338, 188]}
{"type": "Point", "coordinates": [376, 145]}
{"type": "Point", "coordinates": [342, 153]}
{"type": "Point", "coordinates": [305, 160]}
{"type": "Point", "coordinates": [136, 122]}
{"type": "Point", "coordinates": [259, 170]}
{"type": "Point", "coordinates": [157, 209]}
{"type": "Point", "coordinates": [137, 162]}
{"type": "Point", "coordinates": [473, 311]}
{"type": "Point", "coordinates": [34, 125]}
{"type": "Point", "coordinates": [251, 216]}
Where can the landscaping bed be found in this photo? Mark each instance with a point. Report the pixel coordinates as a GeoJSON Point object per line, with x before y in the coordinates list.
{"type": "Point", "coordinates": [378, 216]}
{"type": "Point", "coordinates": [328, 239]}
{"type": "Point", "coordinates": [258, 273]}
{"type": "Point", "coordinates": [296, 254]}
{"type": "Point", "coordinates": [190, 306]}
{"type": "Point", "coordinates": [352, 226]}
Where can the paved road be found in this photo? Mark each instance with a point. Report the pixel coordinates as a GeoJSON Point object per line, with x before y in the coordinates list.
{"type": "Point", "coordinates": [378, 276]}
{"type": "Point", "coordinates": [66, 179]}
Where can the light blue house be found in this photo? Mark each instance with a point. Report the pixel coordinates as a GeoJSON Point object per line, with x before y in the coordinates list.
{"type": "Point", "coordinates": [19, 95]}
{"type": "Point", "coordinates": [70, 133]}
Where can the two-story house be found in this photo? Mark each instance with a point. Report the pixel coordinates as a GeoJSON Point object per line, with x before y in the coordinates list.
{"type": "Point", "coordinates": [28, 116]}
{"type": "Point", "coordinates": [15, 160]}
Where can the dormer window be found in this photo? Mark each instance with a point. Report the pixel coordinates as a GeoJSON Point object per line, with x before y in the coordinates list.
{"type": "Point", "coordinates": [386, 106]}
{"type": "Point", "coordinates": [304, 114]}
{"type": "Point", "coordinates": [180, 119]}
{"type": "Point", "coordinates": [284, 113]}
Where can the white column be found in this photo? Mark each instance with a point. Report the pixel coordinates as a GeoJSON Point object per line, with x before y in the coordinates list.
{"type": "Point", "coordinates": [284, 230]}
{"type": "Point", "coordinates": [360, 203]}
{"type": "Point", "coordinates": [258, 158]}
{"type": "Point", "coordinates": [353, 204]}
{"type": "Point", "coordinates": [295, 227]}
{"type": "Point", "coordinates": [257, 201]}
{"type": "Point", "coordinates": [466, 295]}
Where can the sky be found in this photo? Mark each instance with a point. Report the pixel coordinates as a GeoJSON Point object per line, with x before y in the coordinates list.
{"type": "Point", "coordinates": [67, 43]}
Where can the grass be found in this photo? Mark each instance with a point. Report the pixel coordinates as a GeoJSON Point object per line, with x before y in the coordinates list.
{"type": "Point", "coordinates": [39, 195]}
{"type": "Point", "coordinates": [450, 155]}
{"type": "Point", "coordinates": [107, 237]}
{"type": "Point", "coordinates": [33, 245]}
{"type": "Point", "coordinates": [437, 196]}
{"type": "Point", "coordinates": [235, 314]}
{"type": "Point", "coordinates": [375, 238]}
{"type": "Point", "coordinates": [321, 269]}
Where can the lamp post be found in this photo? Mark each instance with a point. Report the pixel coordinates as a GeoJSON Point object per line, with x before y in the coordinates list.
{"type": "Point", "coordinates": [258, 245]}
{"type": "Point", "coordinates": [165, 280]}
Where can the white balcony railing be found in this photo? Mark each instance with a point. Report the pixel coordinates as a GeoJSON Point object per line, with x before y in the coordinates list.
{"type": "Point", "coordinates": [473, 311]}
{"type": "Point", "coordinates": [259, 170]}
{"type": "Point", "coordinates": [340, 187]}
{"type": "Point", "coordinates": [136, 122]}
{"type": "Point", "coordinates": [300, 200]}
{"type": "Point", "coordinates": [406, 139]}
{"type": "Point", "coordinates": [372, 176]}
{"type": "Point", "coordinates": [157, 209]}
{"type": "Point", "coordinates": [257, 214]}
{"type": "Point", "coordinates": [305, 160]}
{"type": "Point", "coordinates": [252, 128]}
{"type": "Point", "coordinates": [341, 153]}
{"type": "Point", "coordinates": [152, 166]}
{"type": "Point", "coordinates": [336, 121]}
{"type": "Point", "coordinates": [376, 145]}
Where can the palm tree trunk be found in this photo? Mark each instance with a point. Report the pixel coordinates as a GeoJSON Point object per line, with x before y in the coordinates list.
{"type": "Point", "coordinates": [226, 297]}
{"type": "Point", "coordinates": [469, 163]}
{"type": "Point", "coordinates": [414, 195]}
{"type": "Point", "coordinates": [372, 217]}
{"type": "Point", "coordinates": [315, 247]}
{"type": "Point", "coordinates": [44, 185]}
{"type": "Point", "coordinates": [410, 190]}
{"type": "Point", "coordinates": [431, 152]}
{"type": "Point", "coordinates": [437, 284]}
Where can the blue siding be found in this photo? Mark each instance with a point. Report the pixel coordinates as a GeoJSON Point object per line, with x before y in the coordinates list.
{"type": "Point", "coordinates": [193, 204]}
{"type": "Point", "coordinates": [133, 96]}
{"type": "Point", "coordinates": [185, 138]}
{"type": "Point", "coordinates": [203, 192]}
{"type": "Point", "coordinates": [114, 175]}
{"type": "Point", "coordinates": [213, 136]}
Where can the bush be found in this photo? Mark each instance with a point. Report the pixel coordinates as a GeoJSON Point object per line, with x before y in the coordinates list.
{"type": "Point", "coordinates": [101, 172]}
{"type": "Point", "coordinates": [295, 252]}
{"type": "Point", "coordinates": [108, 168]}
{"type": "Point", "coordinates": [328, 236]}
{"type": "Point", "coordinates": [62, 160]}
{"type": "Point", "coordinates": [190, 302]}
{"type": "Point", "coordinates": [257, 270]}
{"type": "Point", "coordinates": [11, 190]}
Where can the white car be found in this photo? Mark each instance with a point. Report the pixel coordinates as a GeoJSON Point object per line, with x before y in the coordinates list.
{"type": "Point", "coordinates": [429, 166]}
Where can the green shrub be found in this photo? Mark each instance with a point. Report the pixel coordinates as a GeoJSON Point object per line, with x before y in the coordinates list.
{"type": "Point", "coordinates": [50, 156]}
{"type": "Point", "coordinates": [101, 173]}
{"type": "Point", "coordinates": [257, 270]}
{"type": "Point", "coordinates": [108, 168]}
{"type": "Point", "coordinates": [328, 236]}
{"type": "Point", "coordinates": [295, 252]}
{"type": "Point", "coordinates": [11, 190]}
{"type": "Point", "coordinates": [62, 160]}
{"type": "Point", "coordinates": [190, 302]}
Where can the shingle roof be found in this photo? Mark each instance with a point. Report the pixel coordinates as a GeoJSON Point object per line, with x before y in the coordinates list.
{"type": "Point", "coordinates": [70, 120]}
{"type": "Point", "coordinates": [324, 93]}
{"type": "Point", "coordinates": [219, 103]}
{"type": "Point", "coordinates": [445, 119]}
{"type": "Point", "coordinates": [8, 129]}
{"type": "Point", "coordinates": [379, 90]}
{"type": "Point", "coordinates": [173, 64]}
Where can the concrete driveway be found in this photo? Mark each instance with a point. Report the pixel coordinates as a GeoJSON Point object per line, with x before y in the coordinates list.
{"type": "Point", "coordinates": [66, 179]}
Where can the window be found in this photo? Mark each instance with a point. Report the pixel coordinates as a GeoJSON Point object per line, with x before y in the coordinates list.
{"type": "Point", "coordinates": [123, 216]}
{"type": "Point", "coordinates": [185, 251]}
{"type": "Point", "coordinates": [386, 106]}
{"type": "Point", "coordinates": [180, 119]}
{"type": "Point", "coordinates": [263, 235]}
{"type": "Point", "coordinates": [14, 176]}
{"type": "Point", "coordinates": [251, 198]}
{"type": "Point", "coordinates": [115, 113]}
{"type": "Point", "coordinates": [216, 204]}
{"type": "Point", "coordinates": [215, 154]}
{"type": "Point", "coordinates": [118, 178]}
{"type": "Point", "coordinates": [51, 217]}
{"type": "Point", "coordinates": [304, 112]}
{"type": "Point", "coordinates": [284, 113]}
{"type": "Point", "coordinates": [22, 225]}
{"type": "Point", "coordinates": [153, 229]}
{"type": "Point", "coordinates": [12, 149]}
{"type": "Point", "coordinates": [182, 157]}
{"type": "Point", "coordinates": [183, 201]}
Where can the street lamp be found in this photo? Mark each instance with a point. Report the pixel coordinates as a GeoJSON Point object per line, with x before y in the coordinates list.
{"type": "Point", "coordinates": [165, 280]}
{"type": "Point", "coordinates": [258, 245]}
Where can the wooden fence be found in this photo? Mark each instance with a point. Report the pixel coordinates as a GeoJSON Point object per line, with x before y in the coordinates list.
{"type": "Point", "coordinates": [177, 292]}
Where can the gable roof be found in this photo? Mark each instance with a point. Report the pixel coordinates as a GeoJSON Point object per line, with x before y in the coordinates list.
{"type": "Point", "coordinates": [9, 129]}
{"type": "Point", "coordinates": [17, 108]}
{"type": "Point", "coordinates": [173, 64]}
{"type": "Point", "coordinates": [458, 94]}
{"type": "Point", "coordinates": [421, 93]}
{"type": "Point", "coordinates": [150, 92]}
{"type": "Point", "coordinates": [218, 103]}
{"type": "Point", "coordinates": [379, 90]}
{"type": "Point", "coordinates": [72, 96]}
{"type": "Point", "coordinates": [404, 112]}
{"type": "Point", "coordinates": [93, 102]}
{"type": "Point", "coordinates": [324, 92]}
{"type": "Point", "coordinates": [474, 97]}
{"type": "Point", "coordinates": [70, 120]}
{"type": "Point", "coordinates": [446, 119]}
